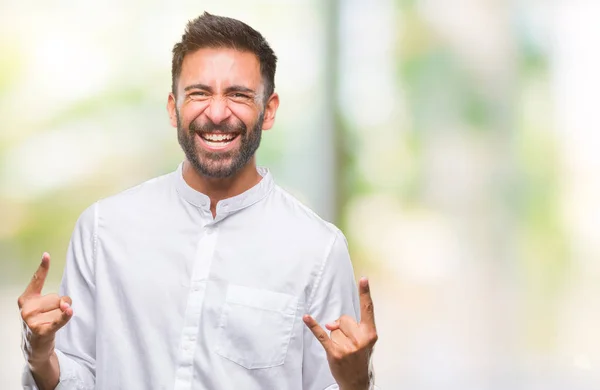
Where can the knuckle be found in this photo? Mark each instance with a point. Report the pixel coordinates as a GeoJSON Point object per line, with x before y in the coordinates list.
{"type": "Point", "coordinates": [41, 332]}
{"type": "Point", "coordinates": [34, 328]}
{"type": "Point", "coordinates": [337, 355]}
{"type": "Point", "coordinates": [355, 341]}
{"type": "Point", "coordinates": [26, 312]}
{"type": "Point", "coordinates": [21, 301]}
{"type": "Point", "coordinates": [322, 337]}
{"type": "Point", "coordinates": [373, 337]}
{"type": "Point", "coordinates": [30, 308]}
{"type": "Point", "coordinates": [53, 296]}
{"type": "Point", "coordinates": [46, 331]}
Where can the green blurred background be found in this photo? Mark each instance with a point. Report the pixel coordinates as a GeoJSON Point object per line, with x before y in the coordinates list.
{"type": "Point", "coordinates": [455, 142]}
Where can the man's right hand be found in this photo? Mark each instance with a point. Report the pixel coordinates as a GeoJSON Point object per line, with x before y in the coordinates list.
{"type": "Point", "coordinates": [42, 316]}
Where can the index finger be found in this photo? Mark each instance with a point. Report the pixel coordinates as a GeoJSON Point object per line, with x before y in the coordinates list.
{"type": "Point", "coordinates": [367, 315]}
{"type": "Point", "coordinates": [39, 277]}
{"type": "Point", "coordinates": [319, 333]}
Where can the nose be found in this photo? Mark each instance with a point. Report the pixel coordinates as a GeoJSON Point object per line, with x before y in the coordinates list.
{"type": "Point", "coordinates": [217, 110]}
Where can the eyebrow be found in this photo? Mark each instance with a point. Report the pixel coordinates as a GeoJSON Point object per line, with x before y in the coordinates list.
{"type": "Point", "coordinates": [233, 88]}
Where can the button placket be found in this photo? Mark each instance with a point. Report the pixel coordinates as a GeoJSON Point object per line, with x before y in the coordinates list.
{"type": "Point", "coordinates": [192, 319]}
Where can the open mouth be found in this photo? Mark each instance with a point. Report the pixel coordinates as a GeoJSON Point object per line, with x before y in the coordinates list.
{"type": "Point", "coordinates": [218, 140]}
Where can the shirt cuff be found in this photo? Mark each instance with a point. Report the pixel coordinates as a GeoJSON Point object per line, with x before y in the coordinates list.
{"type": "Point", "coordinates": [27, 379]}
{"type": "Point", "coordinates": [336, 387]}
{"type": "Point", "coordinates": [68, 379]}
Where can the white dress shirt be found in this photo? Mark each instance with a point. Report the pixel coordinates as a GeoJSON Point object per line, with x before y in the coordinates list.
{"type": "Point", "coordinates": [167, 297]}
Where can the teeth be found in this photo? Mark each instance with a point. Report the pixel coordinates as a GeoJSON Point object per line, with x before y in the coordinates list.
{"type": "Point", "coordinates": [218, 137]}
{"type": "Point", "coordinates": [219, 144]}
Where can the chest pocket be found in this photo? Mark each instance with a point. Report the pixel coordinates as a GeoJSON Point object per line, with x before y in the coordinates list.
{"type": "Point", "coordinates": [255, 326]}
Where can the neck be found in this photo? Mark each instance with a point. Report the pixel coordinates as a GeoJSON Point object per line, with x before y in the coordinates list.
{"type": "Point", "coordinates": [218, 189]}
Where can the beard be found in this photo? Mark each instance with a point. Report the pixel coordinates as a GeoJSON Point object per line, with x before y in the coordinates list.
{"type": "Point", "coordinates": [219, 164]}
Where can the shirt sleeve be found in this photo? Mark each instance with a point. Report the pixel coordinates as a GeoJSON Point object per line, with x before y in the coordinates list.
{"type": "Point", "coordinates": [334, 294]}
{"type": "Point", "coordinates": [76, 341]}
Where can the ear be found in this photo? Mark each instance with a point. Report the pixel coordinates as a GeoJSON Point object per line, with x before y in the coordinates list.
{"type": "Point", "coordinates": [172, 109]}
{"type": "Point", "coordinates": [270, 111]}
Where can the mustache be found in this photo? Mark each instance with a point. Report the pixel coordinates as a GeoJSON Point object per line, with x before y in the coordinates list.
{"type": "Point", "coordinates": [224, 128]}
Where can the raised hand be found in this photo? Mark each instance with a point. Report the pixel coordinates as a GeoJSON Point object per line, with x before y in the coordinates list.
{"type": "Point", "coordinates": [42, 316]}
{"type": "Point", "coordinates": [350, 345]}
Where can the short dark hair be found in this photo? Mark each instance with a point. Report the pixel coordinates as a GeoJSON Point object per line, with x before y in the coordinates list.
{"type": "Point", "coordinates": [211, 31]}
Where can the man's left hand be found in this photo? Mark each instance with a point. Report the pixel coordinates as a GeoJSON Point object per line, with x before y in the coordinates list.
{"type": "Point", "coordinates": [350, 345]}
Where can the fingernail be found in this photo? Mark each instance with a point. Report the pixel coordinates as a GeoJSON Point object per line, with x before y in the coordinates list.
{"type": "Point", "coordinates": [67, 305]}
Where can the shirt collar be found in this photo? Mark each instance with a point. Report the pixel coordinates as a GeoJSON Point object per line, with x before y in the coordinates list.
{"type": "Point", "coordinates": [229, 205]}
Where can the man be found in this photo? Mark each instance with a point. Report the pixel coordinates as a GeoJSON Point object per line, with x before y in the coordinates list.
{"type": "Point", "coordinates": [201, 279]}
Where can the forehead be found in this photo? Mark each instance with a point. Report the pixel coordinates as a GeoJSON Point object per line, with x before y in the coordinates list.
{"type": "Point", "coordinates": [216, 66]}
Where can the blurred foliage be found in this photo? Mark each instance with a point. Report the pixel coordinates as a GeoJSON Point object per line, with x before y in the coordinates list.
{"type": "Point", "coordinates": [450, 183]}
{"type": "Point", "coordinates": [441, 95]}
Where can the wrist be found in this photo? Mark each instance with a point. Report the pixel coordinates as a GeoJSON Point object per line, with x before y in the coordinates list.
{"type": "Point", "coordinates": [40, 355]}
{"type": "Point", "coordinates": [36, 349]}
{"type": "Point", "coordinates": [355, 387]}
{"type": "Point", "coordinates": [46, 373]}
{"type": "Point", "coordinates": [359, 385]}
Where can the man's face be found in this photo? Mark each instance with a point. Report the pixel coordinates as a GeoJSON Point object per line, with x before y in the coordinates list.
{"type": "Point", "coordinates": [219, 110]}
